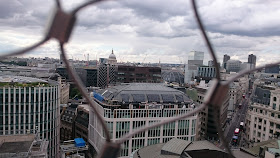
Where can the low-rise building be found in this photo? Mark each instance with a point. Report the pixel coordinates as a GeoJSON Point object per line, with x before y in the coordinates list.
{"type": "Point", "coordinates": [23, 146]}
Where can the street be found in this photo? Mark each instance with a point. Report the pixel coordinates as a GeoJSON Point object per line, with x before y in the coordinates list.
{"type": "Point", "coordinates": [239, 116]}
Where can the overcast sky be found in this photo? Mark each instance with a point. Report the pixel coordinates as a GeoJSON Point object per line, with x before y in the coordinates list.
{"type": "Point", "coordinates": [148, 30]}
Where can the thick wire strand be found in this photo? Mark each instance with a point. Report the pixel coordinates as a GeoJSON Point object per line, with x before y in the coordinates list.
{"type": "Point", "coordinates": [81, 88]}
{"type": "Point", "coordinates": [220, 132]}
{"type": "Point", "coordinates": [23, 51]}
{"type": "Point", "coordinates": [84, 5]}
{"type": "Point", "coordinates": [58, 3]}
{"type": "Point", "coordinates": [244, 72]}
{"type": "Point", "coordinates": [212, 53]}
{"type": "Point", "coordinates": [172, 119]}
{"type": "Point", "coordinates": [208, 43]}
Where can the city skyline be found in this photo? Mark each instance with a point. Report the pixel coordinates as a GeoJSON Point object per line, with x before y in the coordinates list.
{"type": "Point", "coordinates": [149, 31]}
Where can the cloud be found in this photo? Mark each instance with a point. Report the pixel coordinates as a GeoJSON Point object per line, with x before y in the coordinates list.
{"type": "Point", "coordinates": [153, 29]}
{"type": "Point", "coordinates": [246, 18]}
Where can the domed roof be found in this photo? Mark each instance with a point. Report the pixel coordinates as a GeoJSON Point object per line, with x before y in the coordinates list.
{"type": "Point", "coordinates": [112, 56]}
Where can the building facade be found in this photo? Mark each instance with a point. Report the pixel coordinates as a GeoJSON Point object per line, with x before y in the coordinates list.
{"type": "Point", "coordinates": [252, 61]}
{"type": "Point", "coordinates": [206, 71]}
{"type": "Point", "coordinates": [195, 59]}
{"type": "Point", "coordinates": [64, 91]}
{"type": "Point", "coordinates": [262, 121]}
{"type": "Point", "coordinates": [67, 123]}
{"type": "Point", "coordinates": [91, 79]}
{"type": "Point", "coordinates": [28, 103]}
{"type": "Point", "coordinates": [106, 75]}
{"type": "Point", "coordinates": [225, 59]}
{"type": "Point", "coordinates": [127, 107]}
{"type": "Point", "coordinates": [233, 65]}
{"type": "Point", "coordinates": [207, 127]}
{"type": "Point", "coordinates": [129, 74]}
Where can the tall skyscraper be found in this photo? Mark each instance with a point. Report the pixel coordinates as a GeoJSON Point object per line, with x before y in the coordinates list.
{"type": "Point", "coordinates": [226, 58]}
{"type": "Point", "coordinates": [28, 103]}
{"type": "Point", "coordinates": [195, 59]}
{"type": "Point", "coordinates": [252, 61]}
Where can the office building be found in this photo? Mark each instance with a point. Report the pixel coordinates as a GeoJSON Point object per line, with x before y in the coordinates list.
{"type": "Point", "coordinates": [225, 59]}
{"type": "Point", "coordinates": [129, 74]}
{"type": "Point", "coordinates": [207, 122]}
{"type": "Point", "coordinates": [91, 77]}
{"type": "Point", "coordinates": [27, 103]}
{"type": "Point", "coordinates": [106, 75]}
{"type": "Point", "coordinates": [252, 61]}
{"type": "Point", "coordinates": [233, 65]}
{"type": "Point", "coordinates": [195, 59]}
{"type": "Point", "coordinates": [129, 106]}
{"type": "Point", "coordinates": [262, 121]}
{"type": "Point", "coordinates": [274, 69]}
{"type": "Point", "coordinates": [206, 72]}
{"type": "Point", "coordinates": [67, 122]}
{"type": "Point", "coordinates": [64, 90]}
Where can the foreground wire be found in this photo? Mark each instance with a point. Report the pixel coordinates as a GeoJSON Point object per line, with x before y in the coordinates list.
{"type": "Point", "coordinates": [212, 53]}
{"type": "Point", "coordinates": [220, 132]}
{"type": "Point", "coordinates": [208, 43]}
{"type": "Point", "coordinates": [22, 51]}
{"type": "Point", "coordinates": [81, 88]}
{"type": "Point", "coordinates": [244, 72]}
{"type": "Point", "coordinates": [84, 5]}
{"type": "Point", "coordinates": [172, 119]}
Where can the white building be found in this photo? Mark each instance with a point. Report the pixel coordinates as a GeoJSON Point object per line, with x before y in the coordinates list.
{"type": "Point", "coordinates": [129, 106]}
{"type": "Point", "coordinates": [233, 65]}
{"type": "Point", "coordinates": [27, 103]}
{"type": "Point", "coordinates": [195, 59]}
{"type": "Point", "coordinates": [263, 117]}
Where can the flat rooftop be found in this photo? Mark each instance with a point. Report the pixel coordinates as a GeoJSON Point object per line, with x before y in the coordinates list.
{"type": "Point", "coordinates": [15, 147]}
{"type": "Point", "coordinates": [20, 79]}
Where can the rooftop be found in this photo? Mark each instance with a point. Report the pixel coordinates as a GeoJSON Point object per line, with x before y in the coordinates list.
{"type": "Point", "coordinates": [11, 147]}
{"type": "Point", "coordinates": [21, 81]}
{"type": "Point", "coordinates": [177, 148]}
{"type": "Point", "coordinates": [144, 92]}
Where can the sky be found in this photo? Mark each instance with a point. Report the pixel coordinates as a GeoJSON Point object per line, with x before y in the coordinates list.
{"type": "Point", "coordinates": [147, 30]}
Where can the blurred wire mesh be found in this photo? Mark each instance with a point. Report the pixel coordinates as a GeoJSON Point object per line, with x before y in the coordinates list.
{"type": "Point", "coordinates": [61, 27]}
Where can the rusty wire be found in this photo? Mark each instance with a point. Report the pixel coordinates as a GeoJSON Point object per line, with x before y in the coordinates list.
{"type": "Point", "coordinates": [92, 104]}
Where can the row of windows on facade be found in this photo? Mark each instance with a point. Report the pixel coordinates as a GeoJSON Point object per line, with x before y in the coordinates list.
{"type": "Point", "coordinates": [123, 128]}
{"type": "Point", "coordinates": [32, 109]}
{"type": "Point", "coordinates": [136, 113]}
{"type": "Point", "coordinates": [260, 120]}
{"type": "Point", "coordinates": [267, 112]}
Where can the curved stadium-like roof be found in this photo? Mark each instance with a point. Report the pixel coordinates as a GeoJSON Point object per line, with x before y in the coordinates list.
{"type": "Point", "coordinates": [144, 92]}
